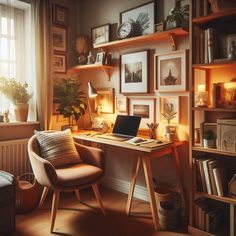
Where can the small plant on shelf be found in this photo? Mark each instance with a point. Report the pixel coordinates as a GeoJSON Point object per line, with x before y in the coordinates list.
{"type": "Point", "coordinates": [209, 139]}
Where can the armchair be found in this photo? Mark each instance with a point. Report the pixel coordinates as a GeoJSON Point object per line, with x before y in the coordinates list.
{"type": "Point", "coordinates": [70, 177]}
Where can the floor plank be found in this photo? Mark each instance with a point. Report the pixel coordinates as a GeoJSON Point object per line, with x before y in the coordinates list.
{"type": "Point", "coordinates": [86, 219]}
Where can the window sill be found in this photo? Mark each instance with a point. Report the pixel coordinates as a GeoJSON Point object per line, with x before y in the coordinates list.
{"type": "Point", "coordinates": [19, 123]}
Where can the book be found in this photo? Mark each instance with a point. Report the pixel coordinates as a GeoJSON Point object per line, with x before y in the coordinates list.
{"type": "Point", "coordinates": [207, 176]}
{"type": "Point", "coordinates": [206, 59]}
{"type": "Point", "coordinates": [211, 165]}
{"type": "Point", "coordinates": [209, 33]}
{"type": "Point", "coordinates": [203, 180]}
{"type": "Point", "coordinates": [218, 176]}
{"type": "Point", "coordinates": [198, 176]}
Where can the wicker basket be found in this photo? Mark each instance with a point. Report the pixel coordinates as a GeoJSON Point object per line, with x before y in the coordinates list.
{"type": "Point", "coordinates": [219, 5]}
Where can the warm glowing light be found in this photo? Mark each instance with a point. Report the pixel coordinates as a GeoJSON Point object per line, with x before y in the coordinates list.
{"type": "Point", "coordinates": [201, 88]}
{"type": "Point", "coordinates": [230, 85]}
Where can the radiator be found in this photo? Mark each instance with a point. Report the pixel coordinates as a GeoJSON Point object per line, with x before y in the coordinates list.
{"type": "Point", "coordinates": [14, 157]}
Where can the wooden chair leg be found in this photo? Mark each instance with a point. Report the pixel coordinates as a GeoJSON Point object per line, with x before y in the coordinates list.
{"type": "Point", "coordinates": [55, 201]}
{"type": "Point", "coordinates": [43, 196]}
{"type": "Point", "coordinates": [98, 197]}
{"type": "Point", "coordinates": [77, 194]}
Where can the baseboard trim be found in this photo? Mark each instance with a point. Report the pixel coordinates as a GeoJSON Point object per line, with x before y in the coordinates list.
{"type": "Point", "coordinates": [122, 186]}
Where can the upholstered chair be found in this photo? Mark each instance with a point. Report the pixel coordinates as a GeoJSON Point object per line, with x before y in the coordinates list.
{"type": "Point", "coordinates": [78, 174]}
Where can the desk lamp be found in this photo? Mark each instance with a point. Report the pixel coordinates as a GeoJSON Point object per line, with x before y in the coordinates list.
{"type": "Point", "coordinates": [92, 93]}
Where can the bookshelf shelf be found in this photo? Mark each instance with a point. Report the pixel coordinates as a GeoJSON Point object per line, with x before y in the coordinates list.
{"type": "Point", "coordinates": [213, 109]}
{"type": "Point", "coordinates": [222, 15]}
{"type": "Point", "coordinates": [214, 65]}
{"type": "Point", "coordinates": [224, 199]}
{"type": "Point", "coordinates": [195, 231]}
{"type": "Point", "coordinates": [168, 34]}
{"type": "Point", "coordinates": [213, 150]}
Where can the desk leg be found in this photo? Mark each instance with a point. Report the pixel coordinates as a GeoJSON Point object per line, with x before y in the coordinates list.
{"type": "Point", "coordinates": [136, 165]}
{"type": "Point", "coordinates": [148, 177]}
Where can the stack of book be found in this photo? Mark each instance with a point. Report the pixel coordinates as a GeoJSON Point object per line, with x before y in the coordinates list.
{"type": "Point", "coordinates": [207, 218]}
{"type": "Point", "coordinates": [211, 177]}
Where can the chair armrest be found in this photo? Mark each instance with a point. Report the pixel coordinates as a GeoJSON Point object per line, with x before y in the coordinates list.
{"type": "Point", "coordinates": [43, 170]}
{"type": "Point", "coordinates": [91, 155]}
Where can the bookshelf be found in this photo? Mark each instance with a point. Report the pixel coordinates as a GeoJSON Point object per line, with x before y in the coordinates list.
{"type": "Point", "coordinates": [212, 72]}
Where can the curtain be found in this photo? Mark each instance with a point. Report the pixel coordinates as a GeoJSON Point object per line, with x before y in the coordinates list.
{"type": "Point", "coordinates": [43, 67]}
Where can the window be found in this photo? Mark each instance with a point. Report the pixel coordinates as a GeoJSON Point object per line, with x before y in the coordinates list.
{"type": "Point", "coordinates": [15, 53]}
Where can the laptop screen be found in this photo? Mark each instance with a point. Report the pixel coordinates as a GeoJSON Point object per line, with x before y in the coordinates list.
{"type": "Point", "coordinates": [126, 125]}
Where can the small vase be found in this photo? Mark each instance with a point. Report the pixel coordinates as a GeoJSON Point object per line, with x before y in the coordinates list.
{"type": "Point", "coordinates": [21, 112]}
{"type": "Point", "coordinates": [209, 143]}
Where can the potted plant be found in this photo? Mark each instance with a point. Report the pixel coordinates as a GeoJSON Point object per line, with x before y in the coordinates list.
{"type": "Point", "coordinates": [18, 94]}
{"type": "Point", "coordinates": [68, 94]}
{"type": "Point", "coordinates": [177, 16]}
{"type": "Point", "coordinates": [168, 115]}
{"type": "Point", "coordinates": [208, 139]}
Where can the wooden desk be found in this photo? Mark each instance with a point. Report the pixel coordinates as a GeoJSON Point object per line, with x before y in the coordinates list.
{"type": "Point", "coordinates": [144, 157]}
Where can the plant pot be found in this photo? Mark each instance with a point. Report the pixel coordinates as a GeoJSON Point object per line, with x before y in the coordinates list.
{"type": "Point", "coordinates": [73, 128]}
{"type": "Point", "coordinates": [21, 111]}
{"type": "Point", "coordinates": [173, 24]}
{"type": "Point", "coordinates": [209, 143]}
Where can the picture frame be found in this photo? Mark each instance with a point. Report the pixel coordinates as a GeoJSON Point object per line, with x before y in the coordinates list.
{"type": "Point", "coordinates": [133, 14]}
{"type": "Point", "coordinates": [60, 15]}
{"type": "Point", "coordinates": [59, 39]}
{"type": "Point", "coordinates": [134, 72]}
{"type": "Point", "coordinates": [170, 71]}
{"type": "Point", "coordinates": [100, 58]}
{"type": "Point", "coordinates": [104, 102]}
{"type": "Point", "coordinates": [121, 104]}
{"type": "Point", "coordinates": [145, 108]}
{"type": "Point", "coordinates": [231, 38]}
{"type": "Point", "coordinates": [59, 63]}
{"type": "Point", "coordinates": [100, 34]}
{"type": "Point", "coordinates": [170, 102]}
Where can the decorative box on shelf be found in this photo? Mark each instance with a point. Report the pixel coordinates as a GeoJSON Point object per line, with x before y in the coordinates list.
{"type": "Point", "coordinates": [226, 134]}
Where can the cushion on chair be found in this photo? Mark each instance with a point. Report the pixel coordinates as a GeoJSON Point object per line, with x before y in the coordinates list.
{"type": "Point", "coordinates": [77, 175]}
{"type": "Point", "coordinates": [58, 147]}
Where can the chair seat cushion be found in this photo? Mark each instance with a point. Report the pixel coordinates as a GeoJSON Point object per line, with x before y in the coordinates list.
{"type": "Point", "coordinates": [77, 175]}
{"type": "Point", "coordinates": [58, 147]}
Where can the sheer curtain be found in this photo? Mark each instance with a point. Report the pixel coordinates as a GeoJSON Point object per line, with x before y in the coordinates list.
{"type": "Point", "coordinates": [43, 54]}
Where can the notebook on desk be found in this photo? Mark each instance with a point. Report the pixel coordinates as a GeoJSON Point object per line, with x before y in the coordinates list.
{"type": "Point", "coordinates": [125, 127]}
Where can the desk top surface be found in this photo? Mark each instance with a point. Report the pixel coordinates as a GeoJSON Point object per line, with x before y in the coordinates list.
{"type": "Point", "coordinates": [93, 137]}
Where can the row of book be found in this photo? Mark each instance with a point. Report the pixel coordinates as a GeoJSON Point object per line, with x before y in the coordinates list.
{"type": "Point", "coordinates": [201, 8]}
{"type": "Point", "coordinates": [207, 46]}
{"type": "Point", "coordinates": [207, 218]}
{"type": "Point", "coordinates": [211, 177]}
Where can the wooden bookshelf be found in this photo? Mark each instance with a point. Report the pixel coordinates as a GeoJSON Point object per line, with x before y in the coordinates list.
{"type": "Point", "coordinates": [221, 15]}
{"type": "Point", "coordinates": [168, 34]}
{"type": "Point", "coordinates": [203, 30]}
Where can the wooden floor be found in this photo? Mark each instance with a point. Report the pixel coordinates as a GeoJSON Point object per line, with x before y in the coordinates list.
{"type": "Point", "coordinates": [86, 219]}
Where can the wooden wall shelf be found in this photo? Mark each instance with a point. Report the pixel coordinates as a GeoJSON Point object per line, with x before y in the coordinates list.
{"type": "Point", "coordinates": [213, 150]}
{"type": "Point", "coordinates": [220, 64]}
{"type": "Point", "coordinates": [197, 232]}
{"type": "Point", "coordinates": [168, 34]}
{"type": "Point", "coordinates": [105, 68]}
{"type": "Point", "coordinates": [215, 16]}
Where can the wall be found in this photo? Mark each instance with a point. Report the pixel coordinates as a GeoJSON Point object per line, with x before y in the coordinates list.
{"type": "Point", "coordinates": [119, 162]}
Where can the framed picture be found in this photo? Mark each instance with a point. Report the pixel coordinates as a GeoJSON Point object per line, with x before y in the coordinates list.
{"type": "Point", "coordinates": [60, 15]}
{"type": "Point", "coordinates": [231, 45]}
{"type": "Point", "coordinates": [100, 34]}
{"type": "Point", "coordinates": [59, 63]}
{"type": "Point", "coordinates": [134, 72]}
{"type": "Point", "coordinates": [100, 58]}
{"type": "Point", "coordinates": [170, 71]}
{"type": "Point", "coordinates": [104, 102]}
{"type": "Point", "coordinates": [145, 108]}
{"type": "Point", "coordinates": [121, 104]}
{"type": "Point", "coordinates": [142, 17]}
{"type": "Point", "coordinates": [169, 105]}
{"type": "Point", "coordinates": [59, 38]}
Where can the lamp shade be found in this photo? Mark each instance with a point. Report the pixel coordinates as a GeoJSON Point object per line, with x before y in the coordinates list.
{"type": "Point", "coordinates": [91, 90]}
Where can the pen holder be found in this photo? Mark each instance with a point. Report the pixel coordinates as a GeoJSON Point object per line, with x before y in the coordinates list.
{"type": "Point", "coordinates": [152, 130]}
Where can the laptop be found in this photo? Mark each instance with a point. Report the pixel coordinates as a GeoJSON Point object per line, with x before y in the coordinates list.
{"type": "Point", "coordinates": [126, 127]}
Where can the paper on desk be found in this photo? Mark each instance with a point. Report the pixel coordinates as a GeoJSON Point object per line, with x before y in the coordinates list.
{"type": "Point", "coordinates": [138, 141]}
{"type": "Point", "coordinates": [154, 144]}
